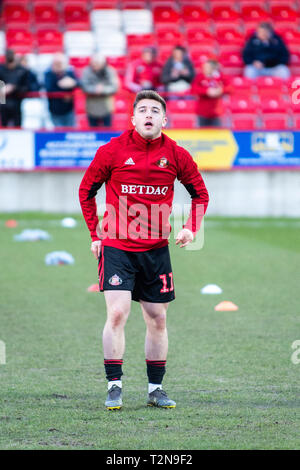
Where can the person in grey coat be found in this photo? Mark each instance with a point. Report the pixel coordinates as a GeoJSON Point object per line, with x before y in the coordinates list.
{"type": "Point", "coordinates": [100, 82]}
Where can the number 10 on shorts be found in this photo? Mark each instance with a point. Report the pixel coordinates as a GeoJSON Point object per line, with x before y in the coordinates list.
{"type": "Point", "coordinates": [165, 287]}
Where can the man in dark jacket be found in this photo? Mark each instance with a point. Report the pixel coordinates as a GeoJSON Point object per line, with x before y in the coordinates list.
{"type": "Point", "coordinates": [265, 54]}
{"type": "Point", "coordinates": [15, 78]}
{"type": "Point", "coordinates": [178, 72]}
{"type": "Point", "coordinates": [59, 79]}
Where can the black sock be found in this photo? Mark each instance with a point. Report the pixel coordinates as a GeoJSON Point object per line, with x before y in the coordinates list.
{"type": "Point", "coordinates": [113, 369]}
{"type": "Point", "coordinates": [155, 371]}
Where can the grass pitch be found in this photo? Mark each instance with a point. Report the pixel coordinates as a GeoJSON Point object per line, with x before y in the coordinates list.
{"type": "Point", "coordinates": [230, 373]}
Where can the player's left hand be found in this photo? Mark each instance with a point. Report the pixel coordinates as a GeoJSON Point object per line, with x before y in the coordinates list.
{"type": "Point", "coordinates": [185, 236]}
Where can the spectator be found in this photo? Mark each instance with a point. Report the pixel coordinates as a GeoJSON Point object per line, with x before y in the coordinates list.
{"type": "Point", "coordinates": [265, 54]}
{"type": "Point", "coordinates": [32, 81]}
{"type": "Point", "coordinates": [15, 78]}
{"type": "Point", "coordinates": [210, 86]}
{"type": "Point", "coordinates": [144, 73]}
{"type": "Point", "coordinates": [100, 82]}
{"type": "Point", "coordinates": [58, 79]}
{"type": "Point", "coordinates": [178, 72]}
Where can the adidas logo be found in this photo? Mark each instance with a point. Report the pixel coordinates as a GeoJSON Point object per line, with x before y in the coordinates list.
{"type": "Point", "coordinates": [129, 162]}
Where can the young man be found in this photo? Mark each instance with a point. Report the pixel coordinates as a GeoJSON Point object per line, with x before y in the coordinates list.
{"type": "Point", "coordinates": [139, 168]}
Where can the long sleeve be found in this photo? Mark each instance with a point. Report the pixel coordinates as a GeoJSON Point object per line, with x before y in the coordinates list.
{"type": "Point", "coordinates": [189, 175]}
{"type": "Point", "coordinates": [97, 173]}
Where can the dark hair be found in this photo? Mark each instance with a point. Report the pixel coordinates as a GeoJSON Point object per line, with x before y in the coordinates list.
{"type": "Point", "coordinates": [149, 95]}
{"type": "Point", "coordinates": [9, 56]}
{"type": "Point", "coordinates": [265, 25]}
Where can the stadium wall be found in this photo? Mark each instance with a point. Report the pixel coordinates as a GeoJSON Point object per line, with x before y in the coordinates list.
{"type": "Point", "coordinates": [232, 193]}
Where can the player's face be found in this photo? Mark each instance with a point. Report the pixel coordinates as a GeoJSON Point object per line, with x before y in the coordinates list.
{"type": "Point", "coordinates": [149, 118]}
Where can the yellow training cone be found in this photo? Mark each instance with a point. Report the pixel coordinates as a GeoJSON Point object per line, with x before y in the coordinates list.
{"type": "Point", "coordinates": [226, 306]}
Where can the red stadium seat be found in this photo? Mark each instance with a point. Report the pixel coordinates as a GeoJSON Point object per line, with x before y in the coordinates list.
{"type": "Point", "coordinates": [22, 41]}
{"type": "Point", "coordinates": [291, 37]}
{"type": "Point", "coordinates": [270, 85]}
{"type": "Point", "coordinates": [118, 63]}
{"type": "Point", "coordinates": [46, 15]}
{"type": "Point", "coordinates": [200, 54]}
{"type": "Point", "coordinates": [242, 103]}
{"type": "Point", "coordinates": [283, 13]}
{"type": "Point", "coordinates": [104, 4]}
{"type": "Point", "coordinates": [254, 12]}
{"type": "Point", "coordinates": [272, 104]}
{"type": "Point", "coordinates": [182, 121]}
{"type": "Point", "coordinates": [49, 40]}
{"type": "Point", "coordinates": [243, 122]}
{"type": "Point", "coordinates": [276, 122]}
{"type": "Point", "coordinates": [230, 36]}
{"type": "Point", "coordinates": [224, 13]}
{"type": "Point", "coordinates": [194, 14]}
{"type": "Point", "coordinates": [79, 63]}
{"type": "Point", "coordinates": [171, 35]}
{"type": "Point", "coordinates": [199, 36]}
{"type": "Point", "coordinates": [15, 15]}
{"type": "Point", "coordinates": [181, 106]}
{"type": "Point", "coordinates": [165, 14]}
{"type": "Point", "coordinates": [141, 39]}
{"type": "Point", "coordinates": [120, 122]}
{"type": "Point", "coordinates": [133, 4]}
{"type": "Point", "coordinates": [231, 58]}
{"type": "Point", "coordinates": [241, 84]}
{"type": "Point", "coordinates": [76, 17]}
{"type": "Point", "coordinates": [79, 101]}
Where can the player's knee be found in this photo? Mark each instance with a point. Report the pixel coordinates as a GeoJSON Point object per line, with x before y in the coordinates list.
{"type": "Point", "coordinates": [117, 318]}
{"type": "Point", "coordinates": [159, 321]}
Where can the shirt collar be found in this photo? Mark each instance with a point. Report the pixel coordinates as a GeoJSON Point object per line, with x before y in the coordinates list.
{"type": "Point", "coordinates": [141, 142]}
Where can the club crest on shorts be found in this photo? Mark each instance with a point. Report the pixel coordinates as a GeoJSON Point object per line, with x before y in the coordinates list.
{"type": "Point", "coordinates": [163, 162]}
{"type": "Point", "coordinates": [115, 280]}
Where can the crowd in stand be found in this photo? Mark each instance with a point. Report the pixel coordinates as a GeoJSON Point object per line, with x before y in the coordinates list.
{"type": "Point", "coordinates": [264, 54]}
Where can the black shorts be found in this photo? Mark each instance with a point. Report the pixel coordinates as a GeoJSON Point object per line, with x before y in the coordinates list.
{"type": "Point", "coordinates": [147, 274]}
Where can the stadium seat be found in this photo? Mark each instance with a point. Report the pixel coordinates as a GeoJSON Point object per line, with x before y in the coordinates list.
{"type": "Point", "coordinates": [242, 103]}
{"type": "Point", "coordinates": [141, 39]}
{"type": "Point", "coordinates": [133, 4]}
{"type": "Point", "coordinates": [120, 122]}
{"type": "Point", "coordinates": [224, 13]}
{"type": "Point", "coordinates": [291, 37]}
{"type": "Point", "coordinates": [194, 14]}
{"type": "Point", "coordinates": [22, 41]}
{"type": "Point", "coordinates": [181, 106]}
{"type": "Point", "coordinates": [183, 121]}
{"type": "Point", "coordinates": [15, 15]}
{"type": "Point", "coordinates": [106, 19]}
{"type": "Point", "coordinates": [46, 15]}
{"type": "Point", "coordinates": [76, 17]}
{"type": "Point", "coordinates": [105, 4]}
{"type": "Point", "coordinates": [270, 85]}
{"type": "Point", "coordinates": [79, 43]}
{"type": "Point", "coordinates": [2, 43]}
{"type": "Point", "coordinates": [232, 59]}
{"type": "Point", "coordinates": [137, 21]}
{"type": "Point", "coordinates": [283, 12]}
{"type": "Point", "coordinates": [272, 104]}
{"type": "Point", "coordinates": [118, 63]}
{"type": "Point", "coordinates": [253, 12]}
{"type": "Point", "coordinates": [199, 36]}
{"type": "Point", "coordinates": [241, 84]}
{"type": "Point", "coordinates": [171, 35]}
{"type": "Point", "coordinates": [243, 122]}
{"type": "Point", "coordinates": [200, 54]}
{"type": "Point", "coordinates": [49, 40]}
{"type": "Point", "coordinates": [165, 14]}
{"type": "Point", "coordinates": [78, 63]}
{"type": "Point", "coordinates": [276, 121]}
{"type": "Point", "coordinates": [230, 36]}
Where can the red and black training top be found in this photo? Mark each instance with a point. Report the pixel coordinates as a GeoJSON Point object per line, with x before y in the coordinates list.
{"type": "Point", "coordinates": [139, 176]}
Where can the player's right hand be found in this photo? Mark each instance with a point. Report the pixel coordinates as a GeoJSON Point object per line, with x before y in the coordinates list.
{"type": "Point", "coordinates": [96, 248]}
